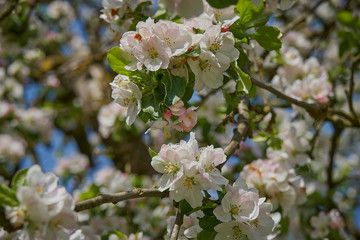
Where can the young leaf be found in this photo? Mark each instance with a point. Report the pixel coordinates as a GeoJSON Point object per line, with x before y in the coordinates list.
{"type": "Point", "coordinates": [150, 103]}
{"type": "Point", "coordinates": [206, 235]}
{"type": "Point", "coordinates": [208, 223]}
{"type": "Point", "coordinates": [152, 153]}
{"type": "Point", "coordinates": [174, 88]}
{"type": "Point", "coordinates": [7, 196]}
{"type": "Point", "coordinates": [221, 3]}
{"type": "Point", "coordinates": [268, 37]}
{"type": "Point", "coordinates": [185, 208]}
{"type": "Point", "coordinates": [248, 11]}
{"type": "Point", "coordinates": [19, 179]}
{"type": "Point", "coordinates": [117, 62]}
{"type": "Point", "coordinates": [243, 84]}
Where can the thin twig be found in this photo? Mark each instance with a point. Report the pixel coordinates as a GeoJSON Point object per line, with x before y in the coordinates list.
{"type": "Point", "coordinates": [316, 110]}
{"type": "Point", "coordinates": [351, 88]}
{"type": "Point", "coordinates": [334, 143]}
{"type": "Point", "coordinates": [242, 129]}
{"type": "Point", "coordinates": [177, 225]}
{"type": "Point", "coordinates": [117, 197]}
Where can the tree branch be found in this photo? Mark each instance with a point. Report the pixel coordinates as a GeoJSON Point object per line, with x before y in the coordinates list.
{"type": "Point", "coordinates": [177, 225]}
{"type": "Point", "coordinates": [316, 110]}
{"type": "Point", "coordinates": [351, 88]}
{"type": "Point", "coordinates": [117, 197]}
{"type": "Point", "coordinates": [334, 143]}
{"type": "Point", "coordinates": [7, 9]}
{"type": "Point", "coordinates": [242, 129]}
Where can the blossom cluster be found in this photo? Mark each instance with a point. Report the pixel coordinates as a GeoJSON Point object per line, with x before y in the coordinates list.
{"type": "Point", "coordinates": [161, 46]}
{"type": "Point", "coordinates": [323, 223]}
{"type": "Point", "coordinates": [185, 119]}
{"type": "Point", "coordinates": [244, 214]}
{"type": "Point", "coordinates": [187, 170]}
{"type": "Point", "coordinates": [11, 148]}
{"type": "Point", "coordinates": [46, 210]}
{"type": "Point", "coordinates": [74, 165]}
{"type": "Point", "coordinates": [278, 183]}
{"type": "Point", "coordinates": [303, 80]}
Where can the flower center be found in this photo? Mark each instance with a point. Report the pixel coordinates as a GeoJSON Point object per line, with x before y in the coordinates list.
{"type": "Point", "coordinates": [204, 65]}
{"type": "Point", "coordinates": [215, 46]}
{"type": "Point", "coordinates": [170, 168]}
{"type": "Point", "coordinates": [235, 209]}
{"type": "Point", "coordinates": [152, 53]}
{"type": "Point", "coordinates": [189, 182]}
{"type": "Point", "coordinates": [237, 233]}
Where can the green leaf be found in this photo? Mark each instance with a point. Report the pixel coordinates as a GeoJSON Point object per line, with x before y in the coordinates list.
{"type": "Point", "coordinates": [248, 11]}
{"type": "Point", "coordinates": [152, 153]}
{"type": "Point", "coordinates": [7, 196]}
{"type": "Point", "coordinates": [284, 223]}
{"type": "Point", "coordinates": [243, 84]}
{"type": "Point", "coordinates": [117, 61]}
{"type": "Point", "coordinates": [221, 3]}
{"type": "Point", "coordinates": [275, 142]}
{"type": "Point", "coordinates": [206, 235]}
{"type": "Point", "coordinates": [174, 88]}
{"type": "Point", "coordinates": [261, 137]}
{"type": "Point", "coordinates": [243, 58]}
{"type": "Point", "coordinates": [19, 179]}
{"type": "Point", "coordinates": [253, 91]}
{"type": "Point", "coordinates": [208, 223]}
{"type": "Point", "coordinates": [150, 103]}
{"type": "Point", "coordinates": [185, 208]}
{"type": "Point", "coordinates": [346, 18]}
{"type": "Point", "coordinates": [258, 22]}
{"type": "Point", "coordinates": [207, 206]}
{"type": "Point", "coordinates": [268, 37]}
{"type": "Point", "coordinates": [91, 193]}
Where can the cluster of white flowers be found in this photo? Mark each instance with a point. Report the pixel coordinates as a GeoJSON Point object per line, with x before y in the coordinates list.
{"type": "Point", "coordinates": [46, 210]}
{"type": "Point", "coordinates": [303, 80]}
{"type": "Point", "coordinates": [112, 180]}
{"type": "Point", "coordinates": [274, 180]}
{"type": "Point", "coordinates": [127, 94]}
{"type": "Point", "coordinates": [294, 149]}
{"type": "Point", "coordinates": [36, 121]}
{"type": "Point", "coordinates": [244, 214]}
{"type": "Point", "coordinates": [75, 164]}
{"type": "Point", "coordinates": [107, 116]}
{"type": "Point", "coordinates": [190, 227]}
{"type": "Point", "coordinates": [161, 46]}
{"type": "Point", "coordinates": [324, 222]}
{"type": "Point", "coordinates": [187, 170]}
{"type": "Point", "coordinates": [186, 119]}
{"type": "Point", "coordinates": [11, 147]}
{"type": "Point", "coordinates": [116, 12]}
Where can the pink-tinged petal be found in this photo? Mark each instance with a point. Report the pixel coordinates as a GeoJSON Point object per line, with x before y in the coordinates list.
{"type": "Point", "coordinates": [222, 215]}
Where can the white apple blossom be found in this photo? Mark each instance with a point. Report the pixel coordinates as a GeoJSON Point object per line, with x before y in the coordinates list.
{"type": "Point", "coordinates": [277, 181]}
{"type": "Point", "coordinates": [47, 209]}
{"type": "Point", "coordinates": [188, 170]}
{"type": "Point", "coordinates": [243, 213]}
{"type": "Point", "coordinates": [11, 147]}
{"type": "Point", "coordinates": [107, 116]}
{"type": "Point", "coordinates": [207, 71]}
{"type": "Point", "coordinates": [239, 204]}
{"type": "Point", "coordinates": [174, 35]}
{"type": "Point", "coordinates": [127, 94]}
{"type": "Point", "coordinates": [153, 52]}
{"type": "Point", "coordinates": [75, 164]}
{"type": "Point", "coordinates": [221, 45]}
